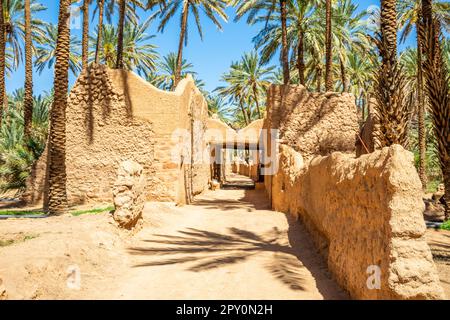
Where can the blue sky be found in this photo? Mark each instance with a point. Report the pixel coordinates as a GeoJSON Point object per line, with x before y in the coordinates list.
{"type": "Point", "coordinates": [210, 57]}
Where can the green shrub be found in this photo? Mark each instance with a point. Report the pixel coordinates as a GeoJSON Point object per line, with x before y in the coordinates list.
{"type": "Point", "coordinates": [16, 155]}
{"type": "Point", "coordinates": [92, 211]}
{"type": "Point", "coordinates": [446, 225]}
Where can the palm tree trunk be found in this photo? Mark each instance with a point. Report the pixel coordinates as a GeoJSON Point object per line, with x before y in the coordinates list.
{"type": "Point", "coordinates": [319, 78]}
{"type": "Point", "coordinates": [28, 97]}
{"type": "Point", "coordinates": [301, 57]}
{"type": "Point", "coordinates": [328, 49]}
{"type": "Point", "coordinates": [389, 29]}
{"type": "Point", "coordinates": [255, 97]}
{"type": "Point", "coordinates": [101, 6]}
{"type": "Point", "coordinates": [241, 105]}
{"type": "Point", "coordinates": [284, 43]}
{"type": "Point", "coordinates": [119, 63]}
{"type": "Point", "coordinates": [57, 195]}
{"type": "Point", "coordinates": [343, 76]}
{"type": "Point", "coordinates": [437, 89]}
{"type": "Point", "coordinates": [2, 62]}
{"type": "Point", "coordinates": [85, 37]}
{"type": "Point", "coordinates": [363, 107]}
{"type": "Point", "coordinates": [446, 174]}
{"type": "Point", "coordinates": [421, 114]}
{"type": "Point", "coordinates": [184, 19]}
{"type": "Point", "coordinates": [427, 11]}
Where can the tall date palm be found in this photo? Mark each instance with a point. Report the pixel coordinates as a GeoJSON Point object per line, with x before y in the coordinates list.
{"type": "Point", "coordinates": [2, 62]}
{"type": "Point", "coordinates": [46, 51]}
{"type": "Point", "coordinates": [328, 47]}
{"type": "Point", "coordinates": [392, 114]}
{"type": "Point", "coordinates": [57, 194]}
{"type": "Point", "coordinates": [213, 9]}
{"type": "Point", "coordinates": [437, 88]}
{"type": "Point", "coordinates": [268, 7]}
{"type": "Point", "coordinates": [410, 12]}
{"type": "Point", "coordinates": [85, 35]}
{"type": "Point", "coordinates": [28, 99]}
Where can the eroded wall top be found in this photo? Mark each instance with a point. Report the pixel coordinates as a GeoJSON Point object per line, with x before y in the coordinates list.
{"type": "Point", "coordinates": [313, 123]}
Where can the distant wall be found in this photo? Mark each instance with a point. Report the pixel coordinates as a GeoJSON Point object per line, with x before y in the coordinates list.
{"type": "Point", "coordinates": [113, 116]}
{"type": "Point", "coordinates": [245, 169]}
{"type": "Point", "coordinates": [362, 212]}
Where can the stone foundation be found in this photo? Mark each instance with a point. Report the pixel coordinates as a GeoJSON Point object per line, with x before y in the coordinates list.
{"type": "Point", "coordinates": [129, 194]}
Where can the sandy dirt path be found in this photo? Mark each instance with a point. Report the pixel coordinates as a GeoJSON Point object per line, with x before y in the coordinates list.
{"type": "Point", "coordinates": [228, 245]}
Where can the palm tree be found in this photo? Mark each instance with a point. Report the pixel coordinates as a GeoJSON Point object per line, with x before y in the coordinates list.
{"type": "Point", "coordinates": [217, 106]}
{"type": "Point", "coordinates": [13, 13]}
{"type": "Point", "coordinates": [124, 6]}
{"type": "Point", "coordinates": [46, 51]}
{"type": "Point", "coordinates": [360, 71]}
{"type": "Point", "coordinates": [247, 83]}
{"type": "Point", "coordinates": [438, 90]}
{"type": "Point", "coordinates": [328, 47]}
{"type": "Point", "coordinates": [300, 34]}
{"type": "Point", "coordinates": [127, 14]}
{"type": "Point", "coordinates": [269, 7]}
{"type": "Point", "coordinates": [101, 6]}
{"type": "Point", "coordinates": [284, 46]}
{"type": "Point", "coordinates": [2, 62]}
{"type": "Point", "coordinates": [254, 79]}
{"type": "Point", "coordinates": [28, 100]}
{"type": "Point", "coordinates": [138, 54]}
{"type": "Point", "coordinates": [301, 11]}
{"type": "Point", "coordinates": [14, 31]}
{"type": "Point", "coordinates": [167, 70]}
{"type": "Point", "coordinates": [57, 195]}
{"type": "Point", "coordinates": [234, 92]}
{"type": "Point", "coordinates": [85, 36]}
{"type": "Point", "coordinates": [392, 115]}
{"type": "Point", "coordinates": [212, 9]}
{"type": "Point", "coordinates": [409, 18]}
{"type": "Point", "coordinates": [349, 37]}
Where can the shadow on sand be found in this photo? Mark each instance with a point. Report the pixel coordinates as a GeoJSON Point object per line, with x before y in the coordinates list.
{"type": "Point", "coordinates": [288, 259]}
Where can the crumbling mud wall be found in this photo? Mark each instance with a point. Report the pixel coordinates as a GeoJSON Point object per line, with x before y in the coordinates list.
{"type": "Point", "coordinates": [102, 132]}
{"type": "Point", "coordinates": [309, 122]}
{"type": "Point", "coordinates": [114, 116]}
{"type": "Point", "coordinates": [179, 124]}
{"type": "Point", "coordinates": [365, 216]}
{"type": "Point", "coordinates": [313, 123]}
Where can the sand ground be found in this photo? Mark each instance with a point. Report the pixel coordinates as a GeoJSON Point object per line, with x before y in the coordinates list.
{"type": "Point", "coordinates": [227, 245]}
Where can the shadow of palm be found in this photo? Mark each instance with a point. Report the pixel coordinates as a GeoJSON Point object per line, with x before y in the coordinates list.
{"type": "Point", "coordinates": [206, 250]}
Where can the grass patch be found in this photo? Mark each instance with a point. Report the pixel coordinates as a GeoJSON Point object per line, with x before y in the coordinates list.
{"type": "Point", "coordinates": [20, 213]}
{"type": "Point", "coordinates": [446, 225]}
{"type": "Point", "coordinates": [30, 237]}
{"type": "Point", "coordinates": [8, 242]}
{"type": "Point", "coordinates": [39, 213]}
{"type": "Point", "coordinates": [433, 185]}
{"type": "Point", "coordinates": [5, 243]}
{"type": "Point", "coordinates": [92, 211]}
